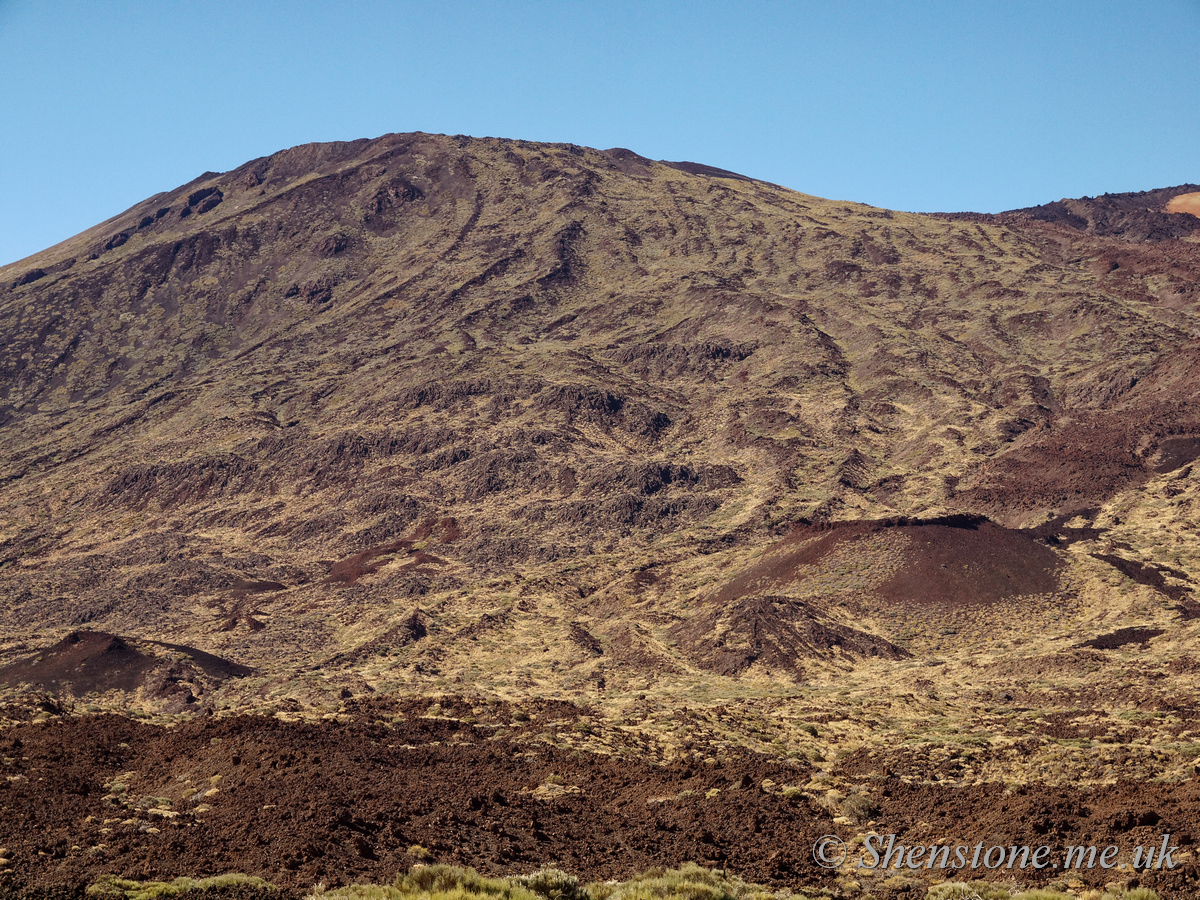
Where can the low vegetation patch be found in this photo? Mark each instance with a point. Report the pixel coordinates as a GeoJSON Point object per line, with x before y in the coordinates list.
{"type": "Point", "coordinates": [110, 887]}
{"type": "Point", "coordinates": [983, 890]}
{"type": "Point", "coordinates": [689, 882]}
{"type": "Point", "coordinates": [438, 882]}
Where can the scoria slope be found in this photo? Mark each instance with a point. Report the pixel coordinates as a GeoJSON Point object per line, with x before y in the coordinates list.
{"type": "Point", "coordinates": [449, 417]}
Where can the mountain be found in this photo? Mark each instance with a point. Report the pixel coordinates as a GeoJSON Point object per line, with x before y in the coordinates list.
{"type": "Point", "coordinates": [437, 418]}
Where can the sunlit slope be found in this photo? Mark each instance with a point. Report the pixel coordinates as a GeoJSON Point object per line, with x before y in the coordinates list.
{"type": "Point", "coordinates": [425, 408]}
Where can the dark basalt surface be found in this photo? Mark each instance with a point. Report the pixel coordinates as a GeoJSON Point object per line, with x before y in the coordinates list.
{"type": "Point", "coordinates": [294, 804]}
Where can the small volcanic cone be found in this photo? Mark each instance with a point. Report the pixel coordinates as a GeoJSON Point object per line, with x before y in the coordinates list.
{"type": "Point", "coordinates": [949, 560]}
{"type": "Point", "coordinates": [83, 661]}
{"type": "Point", "coordinates": [96, 661]}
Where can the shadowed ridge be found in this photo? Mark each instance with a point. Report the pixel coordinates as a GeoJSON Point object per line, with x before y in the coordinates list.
{"type": "Point", "coordinates": [693, 168]}
{"type": "Point", "coordinates": [1138, 216]}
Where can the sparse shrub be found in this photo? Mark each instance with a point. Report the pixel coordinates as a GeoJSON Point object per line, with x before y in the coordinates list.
{"type": "Point", "coordinates": [985, 890]}
{"type": "Point", "coordinates": [454, 883]}
{"type": "Point", "coordinates": [553, 884]}
{"type": "Point", "coordinates": [416, 851]}
{"type": "Point", "coordinates": [952, 890]}
{"type": "Point", "coordinates": [110, 886]}
{"type": "Point", "coordinates": [833, 800]}
{"type": "Point", "coordinates": [688, 882]}
{"type": "Point", "coordinates": [858, 807]}
{"type": "Point", "coordinates": [440, 882]}
{"type": "Point", "coordinates": [810, 729]}
{"type": "Point", "coordinates": [791, 792]}
{"type": "Point", "coordinates": [356, 892]}
{"type": "Point", "coordinates": [903, 882]}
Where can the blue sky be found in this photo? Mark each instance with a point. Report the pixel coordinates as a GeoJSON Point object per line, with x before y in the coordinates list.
{"type": "Point", "coordinates": [909, 105]}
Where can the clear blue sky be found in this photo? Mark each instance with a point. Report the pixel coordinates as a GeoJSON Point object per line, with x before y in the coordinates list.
{"type": "Point", "coordinates": [913, 104]}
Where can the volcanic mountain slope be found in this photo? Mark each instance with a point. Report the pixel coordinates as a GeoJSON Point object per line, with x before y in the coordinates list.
{"type": "Point", "coordinates": [400, 413]}
{"type": "Point", "coordinates": [756, 479]}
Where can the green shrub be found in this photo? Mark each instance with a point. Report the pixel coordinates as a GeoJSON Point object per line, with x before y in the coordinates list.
{"type": "Point", "coordinates": [951, 890]}
{"type": "Point", "coordinates": [982, 890]}
{"type": "Point", "coordinates": [110, 886]}
{"type": "Point", "coordinates": [688, 882]}
{"type": "Point", "coordinates": [858, 807]}
{"type": "Point", "coordinates": [553, 884]}
{"type": "Point", "coordinates": [976, 890]}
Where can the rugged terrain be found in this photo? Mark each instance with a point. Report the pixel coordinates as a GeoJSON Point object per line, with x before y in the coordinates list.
{"type": "Point", "coordinates": [860, 503]}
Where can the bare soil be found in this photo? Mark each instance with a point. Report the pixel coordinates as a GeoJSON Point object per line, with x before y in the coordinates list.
{"type": "Point", "coordinates": [1185, 203]}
